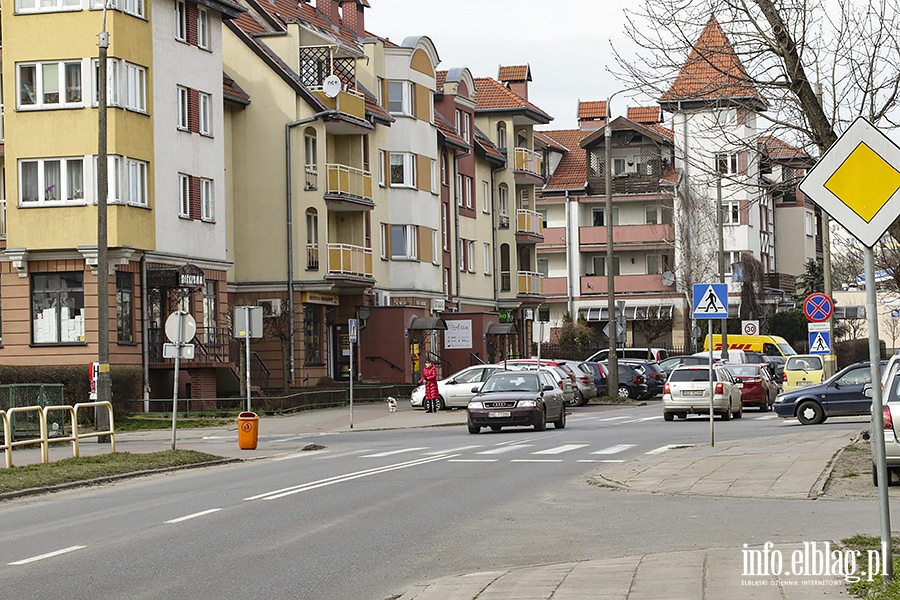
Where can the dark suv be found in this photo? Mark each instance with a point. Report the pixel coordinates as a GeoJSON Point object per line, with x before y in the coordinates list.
{"type": "Point", "coordinates": [654, 374]}
{"type": "Point", "coordinates": [631, 383]}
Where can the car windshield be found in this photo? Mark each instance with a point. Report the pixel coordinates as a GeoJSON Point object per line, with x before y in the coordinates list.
{"type": "Point", "coordinates": [744, 371]}
{"type": "Point", "coordinates": [511, 382]}
{"type": "Point", "coordinates": [786, 349]}
{"type": "Point", "coordinates": [805, 363]}
{"type": "Point", "coordinates": [689, 375]}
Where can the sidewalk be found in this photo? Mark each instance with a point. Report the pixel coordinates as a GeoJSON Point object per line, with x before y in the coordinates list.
{"type": "Point", "coordinates": [794, 465]}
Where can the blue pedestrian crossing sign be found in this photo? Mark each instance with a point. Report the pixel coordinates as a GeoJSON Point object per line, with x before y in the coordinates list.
{"type": "Point", "coordinates": [820, 342]}
{"type": "Point", "coordinates": [710, 300]}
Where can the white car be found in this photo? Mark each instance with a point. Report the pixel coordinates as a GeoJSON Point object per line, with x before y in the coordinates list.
{"type": "Point", "coordinates": [456, 390]}
{"type": "Point", "coordinates": [687, 391]}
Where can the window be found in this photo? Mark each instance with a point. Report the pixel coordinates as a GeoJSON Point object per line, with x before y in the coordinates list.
{"type": "Point", "coordinates": [184, 196]}
{"type": "Point", "coordinates": [598, 216]}
{"type": "Point", "coordinates": [467, 127]}
{"type": "Point", "coordinates": [809, 220]}
{"type": "Point", "coordinates": [467, 191]}
{"type": "Point", "coordinates": [501, 137]}
{"type": "Point", "coordinates": [203, 28]}
{"type": "Point", "coordinates": [470, 255]}
{"type": "Point", "coordinates": [400, 98]}
{"type": "Point", "coordinates": [543, 267]}
{"type": "Point", "coordinates": [182, 108]}
{"type": "Point", "coordinates": [381, 175]}
{"type": "Point", "coordinates": [312, 240]}
{"type": "Point", "coordinates": [57, 308]}
{"type": "Point", "coordinates": [443, 169]}
{"type": "Point", "coordinates": [127, 180]}
{"type": "Point", "coordinates": [727, 164]}
{"type": "Point", "coordinates": [543, 214]}
{"type": "Point", "coordinates": [653, 264]}
{"type": "Point", "coordinates": [404, 242]}
{"type": "Point", "coordinates": [445, 227]}
{"type": "Point", "coordinates": [731, 213]}
{"type": "Point", "coordinates": [618, 165]}
{"type": "Point", "coordinates": [136, 178]}
{"type": "Point", "coordinates": [485, 197]}
{"type": "Point", "coordinates": [650, 215]}
{"type": "Point", "coordinates": [599, 264]}
{"type": "Point", "coordinates": [135, 87]}
{"type": "Point", "coordinates": [312, 333]}
{"type": "Point", "coordinates": [180, 20]}
{"type": "Point", "coordinates": [132, 7]}
{"type": "Point", "coordinates": [310, 146]}
{"type": "Point", "coordinates": [49, 84]}
{"type": "Point", "coordinates": [207, 200]}
{"type": "Point", "coordinates": [503, 205]}
{"type": "Point", "coordinates": [112, 82]}
{"type": "Point", "coordinates": [434, 181]}
{"type": "Point", "coordinates": [403, 169]}
{"type": "Point", "coordinates": [124, 307]}
{"type": "Point", "coordinates": [457, 191]}
{"type": "Point", "coordinates": [488, 258]}
{"type": "Point", "coordinates": [461, 254]}
{"type": "Point", "coordinates": [435, 255]}
{"type": "Point", "coordinates": [50, 181]}
{"type": "Point", "coordinates": [47, 5]}
{"type": "Point", "coordinates": [205, 114]}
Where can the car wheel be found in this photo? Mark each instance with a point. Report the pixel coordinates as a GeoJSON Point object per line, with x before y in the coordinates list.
{"type": "Point", "coordinates": [667, 416]}
{"type": "Point", "coordinates": [560, 423]}
{"type": "Point", "coordinates": [441, 405]}
{"type": "Point", "coordinates": [682, 415]}
{"type": "Point", "coordinates": [624, 392]}
{"type": "Point", "coordinates": [474, 428]}
{"type": "Point", "coordinates": [576, 399]}
{"type": "Point", "coordinates": [541, 423]}
{"type": "Point", "coordinates": [810, 413]}
{"type": "Point", "coordinates": [582, 401]}
{"type": "Point", "coordinates": [765, 406]}
{"type": "Point", "coordinates": [740, 412]}
{"type": "Point", "coordinates": [726, 416]}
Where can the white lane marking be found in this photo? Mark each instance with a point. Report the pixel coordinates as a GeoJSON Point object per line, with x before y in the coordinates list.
{"type": "Point", "coordinates": [452, 450]}
{"type": "Point", "coordinates": [217, 437]}
{"type": "Point", "coordinates": [474, 460]}
{"type": "Point", "coordinates": [662, 449]}
{"type": "Point", "coordinates": [296, 489]}
{"type": "Point", "coordinates": [561, 449]}
{"type": "Point", "coordinates": [195, 515]}
{"type": "Point", "coordinates": [651, 418]}
{"type": "Point", "coordinates": [340, 454]}
{"type": "Point", "coordinates": [25, 561]}
{"type": "Point", "coordinates": [587, 460]}
{"type": "Point", "coordinates": [615, 418]}
{"type": "Point", "coordinates": [506, 449]}
{"type": "Point", "coordinates": [536, 460]}
{"type": "Point", "coordinates": [392, 452]}
{"type": "Point", "coordinates": [615, 449]}
{"type": "Point", "coordinates": [299, 454]}
{"type": "Point", "coordinates": [765, 418]}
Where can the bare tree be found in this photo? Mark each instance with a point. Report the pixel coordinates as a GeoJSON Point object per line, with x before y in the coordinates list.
{"type": "Point", "coordinates": [891, 325]}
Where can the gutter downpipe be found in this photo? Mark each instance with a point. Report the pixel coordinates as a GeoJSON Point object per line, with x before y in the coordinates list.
{"type": "Point", "coordinates": [456, 237]}
{"type": "Point", "coordinates": [496, 220]}
{"type": "Point", "coordinates": [145, 333]}
{"type": "Point", "coordinates": [290, 225]}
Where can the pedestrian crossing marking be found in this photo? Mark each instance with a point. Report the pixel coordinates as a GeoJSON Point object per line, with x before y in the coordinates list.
{"type": "Point", "coordinates": [615, 449]}
{"type": "Point", "coordinates": [392, 452]}
{"type": "Point", "coordinates": [452, 450]}
{"type": "Point", "coordinates": [536, 460]}
{"type": "Point", "coordinates": [561, 449]}
{"type": "Point", "coordinates": [503, 449]}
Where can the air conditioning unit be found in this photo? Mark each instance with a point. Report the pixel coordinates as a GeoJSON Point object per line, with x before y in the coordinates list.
{"type": "Point", "coordinates": [382, 298]}
{"type": "Point", "coordinates": [271, 307]}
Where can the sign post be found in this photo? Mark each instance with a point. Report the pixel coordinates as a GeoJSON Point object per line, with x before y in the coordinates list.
{"type": "Point", "coordinates": [248, 323]}
{"type": "Point", "coordinates": [180, 329]}
{"type": "Point", "coordinates": [353, 326]}
{"type": "Point", "coordinates": [711, 302]}
{"type": "Point", "coordinates": [857, 182]}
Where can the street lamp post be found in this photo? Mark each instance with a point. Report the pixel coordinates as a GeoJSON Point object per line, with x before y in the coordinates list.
{"type": "Point", "coordinates": [613, 362]}
{"type": "Point", "coordinates": [104, 384]}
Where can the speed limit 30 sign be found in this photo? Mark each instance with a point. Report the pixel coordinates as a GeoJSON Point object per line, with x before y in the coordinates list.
{"type": "Point", "coordinates": [750, 327]}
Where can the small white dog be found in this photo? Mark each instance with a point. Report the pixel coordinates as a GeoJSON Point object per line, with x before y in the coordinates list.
{"type": "Point", "coordinates": [392, 404]}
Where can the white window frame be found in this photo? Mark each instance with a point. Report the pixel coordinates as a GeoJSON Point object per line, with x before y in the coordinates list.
{"type": "Point", "coordinates": [409, 169]}
{"type": "Point", "coordinates": [133, 7]}
{"type": "Point", "coordinates": [809, 223]}
{"type": "Point", "coordinates": [40, 83]}
{"type": "Point", "coordinates": [486, 197]}
{"type": "Point", "coordinates": [458, 190]}
{"type": "Point", "coordinates": [385, 232]}
{"type": "Point", "coordinates": [184, 94]}
{"type": "Point", "coordinates": [181, 20]}
{"type": "Point", "coordinates": [405, 100]}
{"type": "Point", "coordinates": [382, 180]}
{"type": "Point", "coordinates": [112, 82]}
{"type": "Point", "coordinates": [445, 226]}
{"type": "Point", "coordinates": [467, 191]}
{"type": "Point", "coordinates": [726, 163]}
{"type": "Point", "coordinates": [409, 234]}
{"type": "Point", "coordinates": [184, 196]}
{"type": "Point", "coordinates": [45, 6]}
{"type": "Point", "coordinates": [434, 181]}
{"type": "Point", "coordinates": [470, 263]}
{"type": "Point", "coordinates": [461, 254]}
{"type": "Point", "coordinates": [135, 87]}
{"type": "Point", "coordinates": [731, 213]}
{"type": "Point", "coordinates": [205, 106]}
{"type": "Point", "coordinates": [207, 200]}
{"type": "Point", "coordinates": [435, 248]}
{"type": "Point", "coordinates": [45, 195]}
{"type": "Point", "coordinates": [136, 179]}
{"type": "Point", "coordinates": [467, 127]}
{"type": "Point", "coordinates": [488, 258]}
{"type": "Point", "coordinates": [203, 37]}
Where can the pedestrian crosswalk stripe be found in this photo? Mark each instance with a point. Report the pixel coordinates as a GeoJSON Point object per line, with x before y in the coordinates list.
{"type": "Point", "coordinates": [561, 449]}
{"type": "Point", "coordinates": [392, 452]}
{"type": "Point", "coordinates": [451, 450]}
{"type": "Point", "coordinates": [615, 449]}
{"type": "Point", "coordinates": [505, 449]}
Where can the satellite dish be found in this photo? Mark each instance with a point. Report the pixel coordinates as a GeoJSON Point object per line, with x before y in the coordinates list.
{"type": "Point", "coordinates": [331, 86]}
{"type": "Point", "coordinates": [668, 278]}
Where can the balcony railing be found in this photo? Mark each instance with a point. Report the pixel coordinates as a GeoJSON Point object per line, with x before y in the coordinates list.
{"type": "Point", "coordinates": [349, 181]}
{"type": "Point", "coordinates": [312, 177]}
{"type": "Point", "coordinates": [312, 257]}
{"type": "Point", "coordinates": [528, 161]}
{"type": "Point", "coordinates": [530, 222]}
{"type": "Point", "coordinates": [505, 281]}
{"type": "Point", "coordinates": [627, 183]}
{"type": "Point", "coordinates": [504, 220]}
{"type": "Point", "coordinates": [529, 283]}
{"type": "Point", "coordinates": [345, 259]}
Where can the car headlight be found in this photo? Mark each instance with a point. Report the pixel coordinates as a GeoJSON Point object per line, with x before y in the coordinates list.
{"type": "Point", "coordinates": [527, 403]}
{"type": "Point", "coordinates": [779, 399]}
{"type": "Point", "coordinates": [476, 405]}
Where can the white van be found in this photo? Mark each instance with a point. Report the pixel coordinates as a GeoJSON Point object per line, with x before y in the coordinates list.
{"type": "Point", "coordinates": [656, 354]}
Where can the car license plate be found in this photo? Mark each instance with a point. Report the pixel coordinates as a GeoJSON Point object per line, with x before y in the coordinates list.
{"type": "Point", "coordinates": [738, 384]}
{"type": "Point", "coordinates": [801, 383]}
{"type": "Point", "coordinates": [692, 392]}
{"type": "Point", "coordinates": [498, 414]}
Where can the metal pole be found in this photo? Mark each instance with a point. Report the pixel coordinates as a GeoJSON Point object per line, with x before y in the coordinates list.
{"type": "Point", "coordinates": [712, 429]}
{"type": "Point", "coordinates": [613, 377]}
{"type": "Point", "coordinates": [721, 232]}
{"type": "Point", "coordinates": [247, 353]}
{"type": "Point", "coordinates": [104, 384]}
{"type": "Point", "coordinates": [878, 416]}
{"type": "Point", "coordinates": [178, 345]}
{"type": "Point", "coordinates": [351, 383]}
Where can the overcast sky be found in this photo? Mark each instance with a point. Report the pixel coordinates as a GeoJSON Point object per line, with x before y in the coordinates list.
{"type": "Point", "coordinates": [566, 42]}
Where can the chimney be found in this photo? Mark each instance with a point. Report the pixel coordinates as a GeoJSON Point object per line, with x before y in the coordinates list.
{"type": "Point", "coordinates": [352, 16]}
{"type": "Point", "coordinates": [516, 79]}
{"type": "Point", "coordinates": [329, 9]}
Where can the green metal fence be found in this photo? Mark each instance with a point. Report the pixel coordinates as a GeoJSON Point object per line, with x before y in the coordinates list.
{"type": "Point", "coordinates": [17, 395]}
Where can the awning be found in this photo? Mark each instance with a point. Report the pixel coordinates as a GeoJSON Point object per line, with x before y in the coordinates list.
{"type": "Point", "coordinates": [632, 313]}
{"type": "Point", "coordinates": [426, 323]}
{"type": "Point", "coordinates": [501, 329]}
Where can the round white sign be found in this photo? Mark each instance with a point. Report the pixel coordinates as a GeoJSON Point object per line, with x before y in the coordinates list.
{"type": "Point", "coordinates": [188, 327]}
{"type": "Point", "coordinates": [750, 327]}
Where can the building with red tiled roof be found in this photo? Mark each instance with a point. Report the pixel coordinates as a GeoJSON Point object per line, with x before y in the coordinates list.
{"type": "Point", "coordinates": [645, 115]}
{"type": "Point", "coordinates": [591, 114]}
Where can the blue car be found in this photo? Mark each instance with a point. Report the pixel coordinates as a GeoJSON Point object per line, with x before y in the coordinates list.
{"type": "Point", "coordinates": [838, 396]}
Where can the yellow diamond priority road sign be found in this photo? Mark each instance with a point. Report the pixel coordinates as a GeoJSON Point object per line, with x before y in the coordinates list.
{"type": "Point", "coordinates": [857, 182]}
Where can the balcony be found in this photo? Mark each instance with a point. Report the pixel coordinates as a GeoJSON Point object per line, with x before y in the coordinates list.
{"type": "Point", "coordinates": [645, 236]}
{"type": "Point", "coordinates": [530, 284]}
{"type": "Point", "coordinates": [348, 188]}
{"type": "Point", "coordinates": [529, 226]}
{"type": "Point", "coordinates": [626, 183]}
{"type": "Point", "coordinates": [312, 257]}
{"type": "Point", "coordinates": [625, 284]}
{"type": "Point", "coordinates": [528, 166]}
{"type": "Point", "coordinates": [556, 286]}
{"type": "Point", "coordinates": [345, 260]}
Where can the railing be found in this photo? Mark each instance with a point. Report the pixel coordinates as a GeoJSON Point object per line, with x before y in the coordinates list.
{"type": "Point", "coordinates": [312, 257]}
{"type": "Point", "coordinates": [349, 181]}
{"type": "Point", "coordinates": [213, 344]}
{"type": "Point", "coordinates": [505, 281]}
{"type": "Point", "coordinates": [259, 372]}
{"type": "Point", "coordinates": [530, 284]}
{"type": "Point", "coordinates": [627, 183]}
{"type": "Point", "coordinates": [311, 171]}
{"type": "Point", "coordinates": [528, 161]}
{"type": "Point", "coordinates": [529, 221]}
{"type": "Point", "coordinates": [504, 220]}
{"type": "Point", "coordinates": [346, 259]}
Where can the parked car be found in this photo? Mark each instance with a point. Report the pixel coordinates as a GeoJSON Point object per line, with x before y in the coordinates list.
{"type": "Point", "coordinates": [758, 387]}
{"type": "Point", "coordinates": [653, 374]}
{"type": "Point", "coordinates": [600, 374]}
{"type": "Point", "coordinates": [734, 356]}
{"type": "Point", "coordinates": [802, 370]}
{"type": "Point", "coordinates": [656, 354]}
{"type": "Point", "coordinates": [687, 391]}
{"type": "Point", "coordinates": [674, 361]}
{"type": "Point", "coordinates": [631, 383]}
{"type": "Point", "coordinates": [563, 378]}
{"type": "Point", "coordinates": [776, 366]}
{"type": "Point", "coordinates": [891, 413]}
{"type": "Point", "coordinates": [582, 383]}
{"type": "Point", "coordinates": [840, 395]}
{"type": "Point", "coordinates": [516, 398]}
{"type": "Point", "coordinates": [456, 390]}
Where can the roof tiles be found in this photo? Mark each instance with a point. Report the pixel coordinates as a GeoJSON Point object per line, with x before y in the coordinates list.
{"type": "Point", "coordinates": [593, 109]}
{"type": "Point", "coordinates": [571, 173]}
{"type": "Point", "coordinates": [515, 73]}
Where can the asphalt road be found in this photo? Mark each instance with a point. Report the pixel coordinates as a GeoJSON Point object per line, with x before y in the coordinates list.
{"type": "Point", "coordinates": [374, 512]}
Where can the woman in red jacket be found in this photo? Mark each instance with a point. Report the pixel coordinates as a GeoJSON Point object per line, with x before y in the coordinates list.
{"type": "Point", "coordinates": [429, 378]}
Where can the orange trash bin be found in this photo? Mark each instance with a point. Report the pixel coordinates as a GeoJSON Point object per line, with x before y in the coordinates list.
{"type": "Point", "coordinates": [248, 430]}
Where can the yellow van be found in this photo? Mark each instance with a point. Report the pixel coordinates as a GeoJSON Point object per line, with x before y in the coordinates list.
{"type": "Point", "coordinates": [802, 370]}
{"type": "Point", "coordinates": [770, 345]}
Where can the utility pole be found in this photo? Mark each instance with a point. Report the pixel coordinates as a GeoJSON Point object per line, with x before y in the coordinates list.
{"type": "Point", "coordinates": [721, 232]}
{"type": "Point", "coordinates": [613, 362]}
{"type": "Point", "coordinates": [104, 383]}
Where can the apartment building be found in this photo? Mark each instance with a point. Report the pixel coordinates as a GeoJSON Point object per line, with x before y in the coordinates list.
{"type": "Point", "coordinates": [166, 176]}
